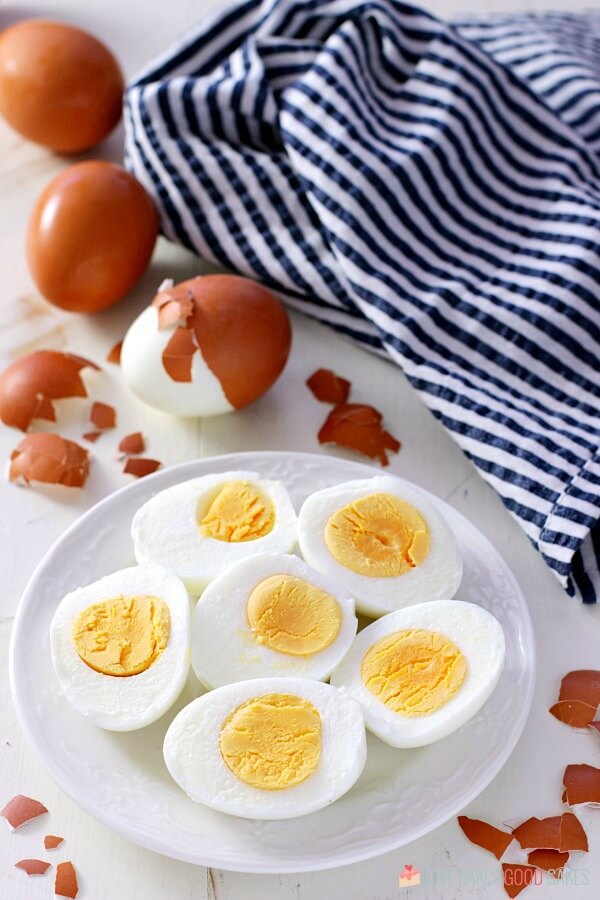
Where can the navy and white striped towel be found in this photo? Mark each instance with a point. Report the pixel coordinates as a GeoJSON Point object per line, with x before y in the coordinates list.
{"type": "Point", "coordinates": [430, 190]}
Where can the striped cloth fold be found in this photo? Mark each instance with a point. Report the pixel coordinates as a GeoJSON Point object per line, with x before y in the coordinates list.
{"type": "Point", "coordinates": [430, 190]}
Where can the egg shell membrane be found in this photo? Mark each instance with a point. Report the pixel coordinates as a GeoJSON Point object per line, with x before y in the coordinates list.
{"type": "Point", "coordinates": [484, 651]}
{"type": "Point", "coordinates": [165, 530]}
{"type": "Point", "coordinates": [114, 702]}
{"type": "Point", "coordinates": [192, 754]}
{"type": "Point", "coordinates": [224, 649]}
{"type": "Point", "coordinates": [436, 578]}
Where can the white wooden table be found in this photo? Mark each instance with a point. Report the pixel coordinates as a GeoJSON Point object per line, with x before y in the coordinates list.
{"type": "Point", "coordinates": [568, 635]}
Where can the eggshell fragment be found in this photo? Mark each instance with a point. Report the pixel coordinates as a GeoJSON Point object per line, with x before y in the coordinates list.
{"type": "Point", "coordinates": [65, 883]}
{"type": "Point", "coordinates": [516, 878]}
{"type": "Point", "coordinates": [52, 841]}
{"type": "Point", "coordinates": [573, 713]}
{"type": "Point", "coordinates": [103, 416]}
{"type": "Point", "coordinates": [51, 459]}
{"type": "Point", "coordinates": [114, 354]}
{"type": "Point", "coordinates": [329, 387]}
{"type": "Point", "coordinates": [484, 835]}
{"type": "Point", "coordinates": [132, 443]}
{"type": "Point", "coordinates": [92, 436]}
{"type": "Point", "coordinates": [29, 385]}
{"type": "Point", "coordinates": [139, 467]}
{"type": "Point", "coordinates": [22, 809]}
{"type": "Point", "coordinates": [549, 860]}
{"type": "Point", "coordinates": [358, 427]}
{"type": "Point", "coordinates": [177, 355]}
{"type": "Point", "coordinates": [172, 309]}
{"type": "Point", "coordinates": [33, 866]}
{"type": "Point", "coordinates": [562, 833]}
{"type": "Point", "coordinates": [582, 784]}
{"type": "Point", "coordinates": [582, 685]}
{"type": "Point", "coordinates": [578, 699]}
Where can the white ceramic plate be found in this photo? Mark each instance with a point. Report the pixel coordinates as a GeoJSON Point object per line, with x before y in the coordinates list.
{"type": "Point", "coordinates": [121, 779]}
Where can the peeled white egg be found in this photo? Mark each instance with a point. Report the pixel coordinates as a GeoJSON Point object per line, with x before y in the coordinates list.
{"type": "Point", "coordinates": [199, 527]}
{"type": "Point", "coordinates": [422, 672]}
{"type": "Point", "coordinates": [135, 619]}
{"type": "Point", "coordinates": [383, 540]}
{"type": "Point", "coordinates": [270, 748]}
{"type": "Point", "coordinates": [270, 615]}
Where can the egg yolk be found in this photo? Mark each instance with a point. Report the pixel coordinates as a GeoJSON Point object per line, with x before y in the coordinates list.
{"type": "Point", "coordinates": [239, 512]}
{"type": "Point", "coordinates": [122, 636]}
{"type": "Point", "coordinates": [292, 616]}
{"type": "Point", "coordinates": [413, 672]}
{"type": "Point", "coordinates": [272, 742]}
{"type": "Point", "coordinates": [379, 535]}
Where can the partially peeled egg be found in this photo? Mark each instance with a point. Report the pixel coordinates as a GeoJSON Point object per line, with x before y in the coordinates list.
{"type": "Point", "coordinates": [206, 346]}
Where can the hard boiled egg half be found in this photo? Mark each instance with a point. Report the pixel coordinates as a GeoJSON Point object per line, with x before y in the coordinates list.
{"type": "Point", "coordinates": [269, 748]}
{"type": "Point", "coordinates": [422, 672]}
{"type": "Point", "coordinates": [383, 540]}
{"type": "Point", "coordinates": [200, 527]}
{"type": "Point", "coordinates": [270, 615]}
{"type": "Point", "coordinates": [121, 646]}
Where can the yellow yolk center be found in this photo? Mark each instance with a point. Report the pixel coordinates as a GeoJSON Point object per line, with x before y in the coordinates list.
{"type": "Point", "coordinates": [122, 636]}
{"type": "Point", "coordinates": [292, 616]}
{"type": "Point", "coordinates": [380, 535]}
{"type": "Point", "coordinates": [413, 672]}
{"type": "Point", "coordinates": [239, 512]}
{"type": "Point", "coordinates": [272, 742]}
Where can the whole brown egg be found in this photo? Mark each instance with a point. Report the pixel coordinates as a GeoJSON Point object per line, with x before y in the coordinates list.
{"type": "Point", "coordinates": [90, 236]}
{"type": "Point", "coordinates": [59, 86]}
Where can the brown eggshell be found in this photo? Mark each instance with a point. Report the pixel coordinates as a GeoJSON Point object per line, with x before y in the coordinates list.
{"type": "Point", "coordinates": [140, 467]}
{"type": "Point", "coordinates": [65, 883]}
{"type": "Point", "coordinates": [51, 459]}
{"type": "Point", "coordinates": [242, 329]}
{"type": "Point", "coordinates": [22, 809]}
{"type": "Point", "coordinates": [28, 386]}
{"type": "Point", "coordinates": [573, 713]}
{"type": "Point", "coordinates": [484, 835]}
{"type": "Point", "coordinates": [33, 866]}
{"type": "Point", "coordinates": [178, 354]}
{"type": "Point", "coordinates": [516, 878]}
{"type": "Point", "coordinates": [132, 444]}
{"type": "Point", "coordinates": [59, 86]}
{"type": "Point", "coordinates": [103, 416]}
{"type": "Point", "coordinates": [358, 427]}
{"type": "Point", "coordinates": [114, 354]}
{"type": "Point", "coordinates": [549, 860]}
{"type": "Point", "coordinates": [329, 387]}
{"type": "Point", "coordinates": [562, 833]}
{"type": "Point", "coordinates": [582, 785]}
{"type": "Point", "coordinates": [52, 841]}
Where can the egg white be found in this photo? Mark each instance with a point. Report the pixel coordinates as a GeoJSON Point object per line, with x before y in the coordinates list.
{"type": "Point", "coordinates": [165, 529]}
{"type": "Point", "coordinates": [145, 375]}
{"type": "Point", "coordinates": [123, 703]}
{"type": "Point", "coordinates": [193, 757]}
{"type": "Point", "coordinates": [436, 578]}
{"type": "Point", "coordinates": [476, 633]}
{"type": "Point", "coordinates": [224, 648]}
